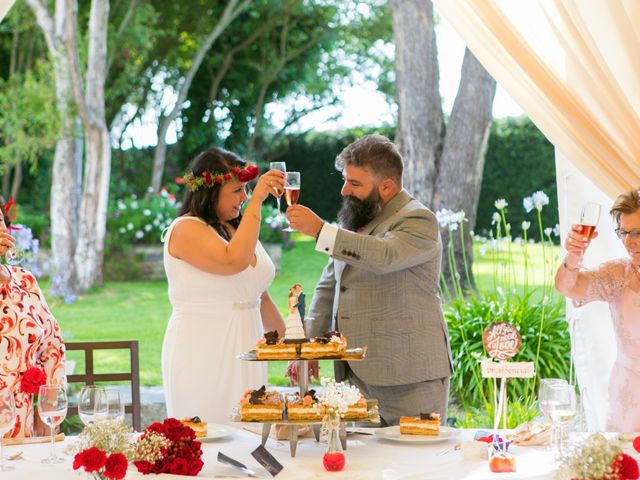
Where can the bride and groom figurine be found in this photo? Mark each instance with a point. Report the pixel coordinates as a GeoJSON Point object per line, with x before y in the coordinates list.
{"type": "Point", "coordinates": [296, 303]}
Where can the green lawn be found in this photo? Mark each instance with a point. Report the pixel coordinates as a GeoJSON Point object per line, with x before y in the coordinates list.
{"type": "Point", "coordinates": [140, 310]}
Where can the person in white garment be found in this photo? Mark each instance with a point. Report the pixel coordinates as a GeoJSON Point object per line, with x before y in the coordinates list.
{"type": "Point", "coordinates": [218, 275]}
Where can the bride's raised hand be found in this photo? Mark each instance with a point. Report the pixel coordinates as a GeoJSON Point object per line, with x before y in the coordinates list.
{"type": "Point", "coordinates": [272, 183]}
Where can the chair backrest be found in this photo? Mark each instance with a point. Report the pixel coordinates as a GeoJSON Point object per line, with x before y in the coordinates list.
{"type": "Point", "coordinates": [90, 377]}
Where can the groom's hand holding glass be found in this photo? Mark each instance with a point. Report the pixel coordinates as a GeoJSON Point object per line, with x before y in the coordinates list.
{"type": "Point", "coordinates": [304, 220]}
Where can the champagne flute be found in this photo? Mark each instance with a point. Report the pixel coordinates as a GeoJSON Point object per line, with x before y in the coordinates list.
{"type": "Point", "coordinates": [544, 394]}
{"type": "Point", "coordinates": [7, 420]}
{"type": "Point", "coordinates": [281, 166]}
{"type": "Point", "coordinates": [589, 218]}
{"type": "Point", "coordinates": [562, 410]}
{"type": "Point", "coordinates": [52, 408]}
{"type": "Point", "coordinates": [115, 404]}
{"type": "Point", "coordinates": [292, 192]}
{"type": "Point", "coordinates": [92, 405]}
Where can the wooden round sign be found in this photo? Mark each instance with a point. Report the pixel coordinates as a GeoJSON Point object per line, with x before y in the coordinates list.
{"type": "Point", "coordinates": [501, 340]}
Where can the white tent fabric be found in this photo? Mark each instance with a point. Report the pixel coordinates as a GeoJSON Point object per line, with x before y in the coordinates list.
{"type": "Point", "coordinates": [573, 67]}
{"type": "Point", "coordinates": [5, 5]}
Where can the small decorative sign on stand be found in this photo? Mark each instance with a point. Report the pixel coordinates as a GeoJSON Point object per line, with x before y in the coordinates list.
{"type": "Point", "coordinates": [502, 341]}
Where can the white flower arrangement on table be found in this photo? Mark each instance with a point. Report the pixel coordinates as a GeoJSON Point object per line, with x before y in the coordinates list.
{"type": "Point", "coordinates": [335, 399]}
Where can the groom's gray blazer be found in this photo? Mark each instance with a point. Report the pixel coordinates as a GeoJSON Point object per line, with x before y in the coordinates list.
{"type": "Point", "coordinates": [380, 289]}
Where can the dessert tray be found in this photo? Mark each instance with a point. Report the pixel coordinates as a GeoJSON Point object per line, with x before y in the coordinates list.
{"type": "Point", "coordinates": [393, 434]}
{"type": "Point", "coordinates": [352, 355]}
{"type": "Point", "coordinates": [316, 425]}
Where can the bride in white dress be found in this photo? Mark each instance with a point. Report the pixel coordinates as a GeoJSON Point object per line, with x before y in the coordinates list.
{"type": "Point", "coordinates": [218, 277]}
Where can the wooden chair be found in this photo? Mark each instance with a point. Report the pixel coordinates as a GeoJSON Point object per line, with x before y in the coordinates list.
{"type": "Point", "coordinates": [90, 377]}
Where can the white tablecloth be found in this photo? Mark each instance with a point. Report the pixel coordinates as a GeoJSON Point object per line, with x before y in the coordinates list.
{"type": "Point", "coordinates": [367, 457]}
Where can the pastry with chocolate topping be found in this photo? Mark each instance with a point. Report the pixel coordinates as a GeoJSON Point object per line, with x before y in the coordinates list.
{"type": "Point", "coordinates": [261, 405]}
{"type": "Point", "coordinates": [272, 347]}
{"type": "Point", "coordinates": [331, 344]}
{"type": "Point", "coordinates": [305, 407]}
{"type": "Point", "coordinates": [197, 425]}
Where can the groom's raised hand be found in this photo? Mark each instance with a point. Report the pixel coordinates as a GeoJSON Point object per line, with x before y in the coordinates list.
{"type": "Point", "coordinates": [292, 371]}
{"type": "Point", "coordinates": [304, 220]}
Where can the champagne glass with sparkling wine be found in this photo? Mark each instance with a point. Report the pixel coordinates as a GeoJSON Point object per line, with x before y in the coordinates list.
{"type": "Point", "coordinates": [281, 166]}
{"type": "Point", "coordinates": [52, 408]}
{"type": "Point", "coordinates": [292, 192]}
{"type": "Point", "coordinates": [589, 218]}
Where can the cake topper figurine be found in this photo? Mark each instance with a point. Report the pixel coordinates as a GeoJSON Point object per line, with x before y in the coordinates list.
{"type": "Point", "coordinates": [295, 330]}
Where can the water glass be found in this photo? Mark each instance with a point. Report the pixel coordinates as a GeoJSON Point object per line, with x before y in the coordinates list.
{"type": "Point", "coordinates": [7, 420]}
{"type": "Point", "coordinates": [52, 408]}
{"type": "Point", "coordinates": [115, 404]}
{"type": "Point", "coordinates": [93, 404]}
{"type": "Point", "coordinates": [563, 408]}
{"type": "Point", "coordinates": [544, 394]}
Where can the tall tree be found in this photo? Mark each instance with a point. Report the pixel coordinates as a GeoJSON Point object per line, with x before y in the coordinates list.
{"type": "Point", "coordinates": [443, 163]}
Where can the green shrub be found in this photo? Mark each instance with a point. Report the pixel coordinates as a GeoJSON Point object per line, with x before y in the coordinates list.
{"type": "Point", "coordinates": [272, 225]}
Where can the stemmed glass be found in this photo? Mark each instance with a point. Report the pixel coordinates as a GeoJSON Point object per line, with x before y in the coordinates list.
{"type": "Point", "coordinates": [589, 218]}
{"type": "Point", "coordinates": [544, 394]}
{"type": "Point", "coordinates": [115, 405]}
{"type": "Point", "coordinates": [292, 192]}
{"type": "Point", "coordinates": [562, 407]}
{"type": "Point", "coordinates": [281, 166]}
{"type": "Point", "coordinates": [52, 408]}
{"type": "Point", "coordinates": [93, 405]}
{"type": "Point", "coordinates": [7, 420]}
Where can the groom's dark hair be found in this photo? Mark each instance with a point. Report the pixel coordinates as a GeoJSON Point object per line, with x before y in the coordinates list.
{"type": "Point", "coordinates": [203, 202]}
{"type": "Point", "coordinates": [375, 152]}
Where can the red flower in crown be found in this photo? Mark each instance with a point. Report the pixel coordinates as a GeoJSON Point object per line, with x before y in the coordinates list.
{"type": "Point", "coordinates": [227, 176]}
{"type": "Point", "coordinates": [207, 177]}
{"type": "Point", "coordinates": [32, 379]}
{"type": "Point", "coordinates": [218, 180]}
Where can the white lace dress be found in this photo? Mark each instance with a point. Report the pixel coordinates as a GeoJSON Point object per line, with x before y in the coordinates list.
{"type": "Point", "coordinates": [618, 283]}
{"type": "Point", "coordinates": [214, 318]}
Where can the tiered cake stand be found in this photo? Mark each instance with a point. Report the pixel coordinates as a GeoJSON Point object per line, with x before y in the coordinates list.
{"type": "Point", "coordinates": [352, 355]}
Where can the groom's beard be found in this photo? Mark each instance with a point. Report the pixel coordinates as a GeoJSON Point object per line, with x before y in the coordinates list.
{"type": "Point", "coordinates": [355, 213]}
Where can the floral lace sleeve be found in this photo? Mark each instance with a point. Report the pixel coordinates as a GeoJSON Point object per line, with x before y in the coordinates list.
{"type": "Point", "coordinates": [605, 283]}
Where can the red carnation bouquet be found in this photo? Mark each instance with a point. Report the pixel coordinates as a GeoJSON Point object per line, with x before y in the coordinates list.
{"type": "Point", "coordinates": [168, 447]}
{"type": "Point", "coordinates": [102, 466]}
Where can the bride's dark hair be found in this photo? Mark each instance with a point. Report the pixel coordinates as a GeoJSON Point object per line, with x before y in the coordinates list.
{"type": "Point", "coordinates": [203, 202]}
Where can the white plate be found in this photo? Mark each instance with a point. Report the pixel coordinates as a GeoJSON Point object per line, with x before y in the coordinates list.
{"type": "Point", "coordinates": [216, 431]}
{"type": "Point", "coordinates": [393, 434]}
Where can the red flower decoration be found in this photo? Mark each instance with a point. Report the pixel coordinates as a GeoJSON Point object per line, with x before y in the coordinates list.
{"type": "Point", "coordinates": [207, 177]}
{"type": "Point", "coordinates": [235, 170]}
{"type": "Point", "coordinates": [92, 459]}
{"type": "Point", "coordinates": [179, 180]}
{"type": "Point", "coordinates": [116, 466]}
{"type": "Point", "coordinates": [32, 379]}
{"type": "Point", "coordinates": [626, 467]}
{"type": "Point", "coordinates": [636, 443]}
{"type": "Point", "coordinates": [179, 467]}
{"type": "Point", "coordinates": [218, 180]}
{"type": "Point", "coordinates": [227, 176]}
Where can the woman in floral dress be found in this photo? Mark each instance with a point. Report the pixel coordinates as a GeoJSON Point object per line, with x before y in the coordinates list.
{"type": "Point", "coordinates": [29, 337]}
{"type": "Point", "coordinates": [616, 282]}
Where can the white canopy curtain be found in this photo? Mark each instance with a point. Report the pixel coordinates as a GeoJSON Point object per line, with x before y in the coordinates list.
{"type": "Point", "coordinates": [5, 5]}
{"type": "Point", "coordinates": [573, 67]}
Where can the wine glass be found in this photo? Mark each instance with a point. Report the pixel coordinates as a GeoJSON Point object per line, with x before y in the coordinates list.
{"type": "Point", "coordinates": [7, 420]}
{"type": "Point", "coordinates": [52, 408]}
{"type": "Point", "coordinates": [115, 404]}
{"type": "Point", "coordinates": [544, 394]}
{"type": "Point", "coordinates": [292, 192]}
{"type": "Point", "coordinates": [589, 218]}
{"type": "Point", "coordinates": [281, 166]}
{"type": "Point", "coordinates": [93, 405]}
{"type": "Point", "coordinates": [562, 410]}
{"type": "Point", "coordinates": [14, 256]}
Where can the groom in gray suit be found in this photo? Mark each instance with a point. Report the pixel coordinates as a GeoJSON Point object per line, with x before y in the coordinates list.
{"type": "Point", "coordinates": [380, 287]}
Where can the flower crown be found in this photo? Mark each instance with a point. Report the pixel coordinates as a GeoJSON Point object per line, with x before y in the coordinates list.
{"type": "Point", "coordinates": [209, 179]}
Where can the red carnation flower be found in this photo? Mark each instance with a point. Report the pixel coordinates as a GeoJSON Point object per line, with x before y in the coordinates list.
{"type": "Point", "coordinates": [636, 443]}
{"type": "Point", "coordinates": [144, 467]}
{"type": "Point", "coordinates": [195, 466]}
{"type": "Point", "coordinates": [179, 180]}
{"type": "Point", "coordinates": [218, 180]}
{"type": "Point", "coordinates": [244, 176]}
{"type": "Point", "coordinates": [92, 459]}
{"type": "Point", "coordinates": [32, 379]}
{"type": "Point", "coordinates": [235, 170]}
{"type": "Point", "coordinates": [626, 467]}
{"type": "Point", "coordinates": [207, 178]}
{"type": "Point", "coordinates": [179, 467]}
{"type": "Point", "coordinates": [227, 176]}
{"type": "Point", "coordinates": [116, 466]}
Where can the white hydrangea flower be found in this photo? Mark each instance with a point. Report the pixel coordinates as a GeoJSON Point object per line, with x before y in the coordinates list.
{"type": "Point", "coordinates": [139, 234]}
{"type": "Point", "coordinates": [501, 204]}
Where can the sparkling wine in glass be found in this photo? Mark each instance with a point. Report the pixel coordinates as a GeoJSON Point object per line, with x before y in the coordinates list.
{"type": "Point", "coordinates": [544, 394]}
{"type": "Point", "coordinates": [562, 410]}
{"type": "Point", "coordinates": [589, 218]}
{"type": "Point", "coordinates": [281, 166]}
{"type": "Point", "coordinates": [292, 192]}
{"type": "Point", "coordinates": [93, 404]}
{"type": "Point", "coordinates": [115, 404]}
{"type": "Point", "coordinates": [7, 420]}
{"type": "Point", "coordinates": [52, 408]}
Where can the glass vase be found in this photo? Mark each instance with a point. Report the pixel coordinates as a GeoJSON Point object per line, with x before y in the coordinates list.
{"type": "Point", "coordinates": [333, 459]}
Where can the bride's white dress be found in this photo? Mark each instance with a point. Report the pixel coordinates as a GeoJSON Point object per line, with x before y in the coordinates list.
{"type": "Point", "coordinates": [214, 318]}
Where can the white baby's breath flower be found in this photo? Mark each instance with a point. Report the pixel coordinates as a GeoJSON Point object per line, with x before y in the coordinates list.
{"type": "Point", "coordinates": [501, 204]}
{"type": "Point", "coordinates": [337, 396]}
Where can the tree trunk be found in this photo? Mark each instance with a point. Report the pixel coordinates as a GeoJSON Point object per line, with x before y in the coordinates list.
{"type": "Point", "coordinates": [6, 180]}
{"type": "Point", "coordinates": [420, 118]}
{"type": "Point", "coordinates": [17, 181]}
{"type": "Point", "coordinates": [231, 11]}
{"type": "Point", "coordinates": [442, 173]}
{"type": "Point", "coordinates": [64, 176]}
{"type": "Point", "coordinates": [462, 161]}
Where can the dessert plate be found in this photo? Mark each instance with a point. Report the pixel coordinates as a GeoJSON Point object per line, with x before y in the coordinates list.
{"type": "Point", "coordinates": [216, 432]}
{"type": "Point", "coordinates": [393, 434]}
